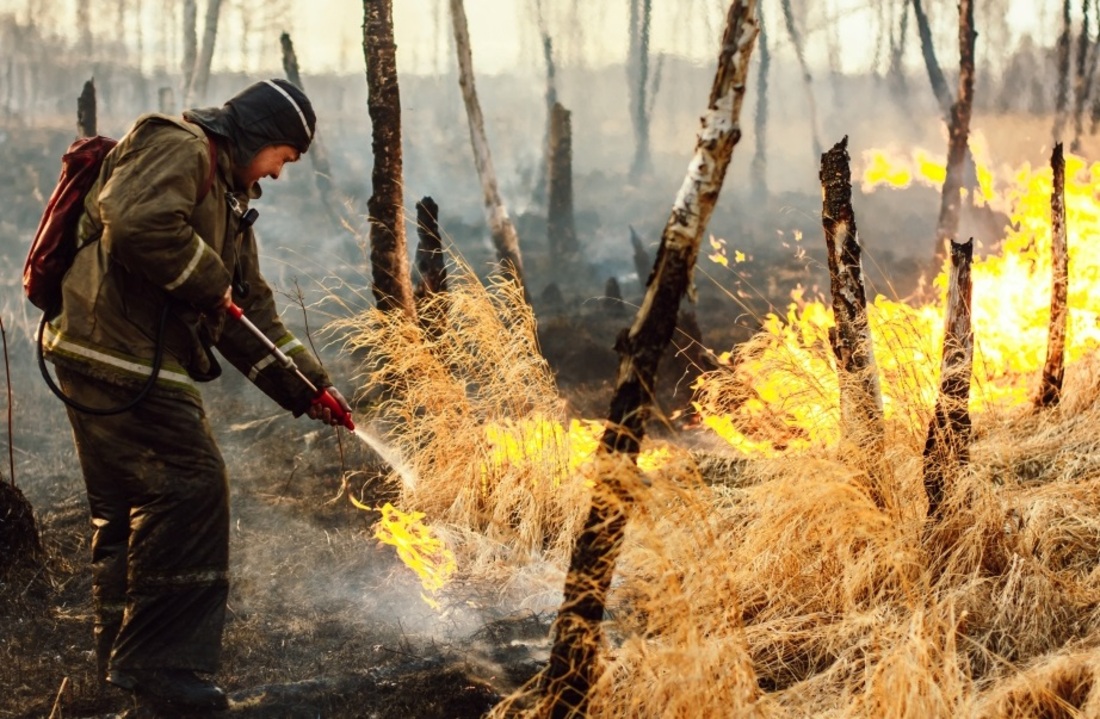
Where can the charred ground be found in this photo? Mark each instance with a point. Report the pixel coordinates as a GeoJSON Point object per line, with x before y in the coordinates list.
{"type": "Point", "coordinates": [324, 619]}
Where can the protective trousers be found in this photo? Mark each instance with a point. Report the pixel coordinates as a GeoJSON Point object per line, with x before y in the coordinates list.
{"type": "Point", "coordinates": [159, 500]}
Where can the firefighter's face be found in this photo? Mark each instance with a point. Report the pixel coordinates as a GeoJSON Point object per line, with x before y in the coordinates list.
{"type": "Point", "coordinates": [268, 162]}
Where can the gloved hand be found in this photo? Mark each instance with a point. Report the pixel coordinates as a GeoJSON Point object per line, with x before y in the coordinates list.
{"type": "Point", "coordinates": [319, 411]}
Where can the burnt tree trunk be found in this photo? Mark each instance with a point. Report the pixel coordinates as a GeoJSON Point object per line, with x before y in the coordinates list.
{"type": "Point", "coordinates": [946, 447]}
{"type": "Point", "coordinates": [560, 227]}
{"type": "Point", "coordinates": [1050, 388]}
{"type": "Point", "coordinates": [1081, 79]}
{"type": "Point", "coordinates": [959, 133]}
{"type": "Point", "coordinates": [503, 232]}
{"type": "Point", "coordinates": [896, 73]}
{"type": "Point", "coordinates": [931, 64]}
{"type": "Point", "coordinates": [573, 668]}
{"type": "Point", "coordinates": [642, 264]}
{"type": "Point", "coordinates": [389, 261]}
{"type": "Point", "coordinates": [430, 261]}
{"type": "Point", "coordinates": [860, 394]}
{"type": "Point", "coordinates": [612, 300]}
{"type": "Point", "coordinates": [86, 111]}
{"type": "Point", "coordinates": [551, 100]}
{"type": "Point", "coordinates": [807, 77]}
{"type": "Point", "coordinates": [759, 165]}
{"type": "Point", "coordinates": [200, 74]}
{"type": "Point", "coordinates": [1061, 97]}
{"type": "Point", "coordinates": [431, 266]}
{"type": "Point", "coordinates": [322, 170]}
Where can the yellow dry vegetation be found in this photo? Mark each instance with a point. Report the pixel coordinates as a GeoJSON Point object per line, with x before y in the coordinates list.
{"type": "Point", "coordinates": [775, 587]}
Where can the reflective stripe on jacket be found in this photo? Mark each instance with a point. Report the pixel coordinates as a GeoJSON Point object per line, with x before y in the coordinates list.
{"type": "Point", "coordinates": [146, 242]}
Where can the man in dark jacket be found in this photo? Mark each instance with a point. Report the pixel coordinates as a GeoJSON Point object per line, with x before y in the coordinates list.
{"type": "Point", "coordinates": [163, 252]}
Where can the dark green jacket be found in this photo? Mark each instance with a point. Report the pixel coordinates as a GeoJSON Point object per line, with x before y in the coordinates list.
{"type": "Point", "coordinates": [147, 241]}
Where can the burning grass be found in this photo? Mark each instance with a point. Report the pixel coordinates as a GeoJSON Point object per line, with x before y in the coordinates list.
{"type": "Point", "coordinates": [779, 588]}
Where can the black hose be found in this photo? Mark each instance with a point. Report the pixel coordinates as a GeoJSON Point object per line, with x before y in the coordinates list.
{"type": "Point", "coordinates": [158, 357]}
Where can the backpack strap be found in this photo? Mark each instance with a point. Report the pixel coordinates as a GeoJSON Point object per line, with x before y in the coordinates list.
{"type": "Point", "coordinates": [212, 147]}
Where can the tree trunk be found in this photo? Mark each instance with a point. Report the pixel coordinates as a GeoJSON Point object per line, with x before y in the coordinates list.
{"type": "Point", "coordinates": [807, 77]}
{"type": "Point", "coordinates": [759, 165]}
{"type": "Point", "coordinates": [200, 75]}
{"type": "Point", "coordinates": [897, 83]}
{"type": "Point", "coordinates": [430, 262]}
{"type": "Point", "coordinates": [322, 170]}
{"type": "Point", "coordinates": [388, 255]}
{"type": "Point", "coordinates": [190, 48]}
{"type": "Point", "coordinates": [1081, 79]}
{"type": "Point", "coordinates": [612, 300]}
{"type": "Point", "coordinates": [642, 264]}
{"type": "Point", "coordinates": [572, 668]}
{"type": "Point", "coordinates": [431, 303]}
{"type": "Point", "coordinates": [1061, 99]}
{"type": "Point", "coordinates": [931, 64]}
{"type": "Point", "coordinates": [1050, 388]}
{"type": "Point", "coordinates": [561, 230]}
{"type": "Point", "coordinates": [860, 394]}
{"type": "Point", "coordinates": [86, 111]}
{"type": "Point", "coordinates": [959, 133]}
{"type": "Point", "coordinates": [638, 83]}
{"type": "Point", "coordinates": [946, 446]}
{"type": "Point", "coordinates": [551, 100]}
{"type": "Point", "coordinates": [500, 225]}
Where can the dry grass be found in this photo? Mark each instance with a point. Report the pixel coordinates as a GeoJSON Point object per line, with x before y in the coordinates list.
{"type": "Point", "coordinates": [782, 591]}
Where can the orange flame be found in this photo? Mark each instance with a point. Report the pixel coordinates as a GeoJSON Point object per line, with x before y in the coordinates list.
{"type": "Point", "coordinates": [546, 443]}
{"type": "Point", "coordinates": [782, 395]}
{"type": "Point", "coordinates": [417, 546]}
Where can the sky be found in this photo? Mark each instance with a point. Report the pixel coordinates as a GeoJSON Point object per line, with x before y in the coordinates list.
{"type": "Point", "coordinates": [498, 47]}
{"type": "Point", "coordinates": [328, 33]}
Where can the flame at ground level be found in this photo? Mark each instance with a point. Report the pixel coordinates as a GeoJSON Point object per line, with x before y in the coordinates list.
{"type": "Point", "coordinates": [781, 394]}
{"type": "Point", "coordinates": [417, 546]}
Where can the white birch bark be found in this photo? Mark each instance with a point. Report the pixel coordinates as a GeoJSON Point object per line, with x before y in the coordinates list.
{"type": "Point", "coordinates": [503, 232]}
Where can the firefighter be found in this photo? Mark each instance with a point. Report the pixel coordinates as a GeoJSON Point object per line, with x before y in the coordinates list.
{"type": "Point", "coordinates": [165, 248]}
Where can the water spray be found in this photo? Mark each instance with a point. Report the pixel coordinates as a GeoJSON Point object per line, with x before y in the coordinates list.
{"type": "Point", "coordinates": [321, 395]}
{"type": "Point", "coordinates": [325, 399]}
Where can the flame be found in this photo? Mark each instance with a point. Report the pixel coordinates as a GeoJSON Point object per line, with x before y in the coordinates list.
{"type": "Point", "coordinates": [546, 443]}
{"type": "Point", "coordinates": [896, 170]}
{"type": "Point", "coordinates": [417, 546]}
{"type": "Point", "coordinates": [779, 393]}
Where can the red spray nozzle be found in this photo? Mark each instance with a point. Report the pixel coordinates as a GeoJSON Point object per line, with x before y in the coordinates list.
{"type": "Point", "coordinates": [325, 399]}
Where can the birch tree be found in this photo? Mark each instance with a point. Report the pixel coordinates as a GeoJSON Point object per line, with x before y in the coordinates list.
{"type": "Point", "coordinates": [958, 150]}
{"type": "Point", "coordinates": [503, 232]}
{"type": "Point", "coordinates": [573, 666]}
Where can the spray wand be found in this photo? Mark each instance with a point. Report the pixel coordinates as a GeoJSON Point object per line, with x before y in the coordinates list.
{"type": "Point", "coordinates": [321, 396]}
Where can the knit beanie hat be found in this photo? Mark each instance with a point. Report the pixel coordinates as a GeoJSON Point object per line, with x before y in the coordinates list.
{"type": "Point", "coordinates": [269, 112]}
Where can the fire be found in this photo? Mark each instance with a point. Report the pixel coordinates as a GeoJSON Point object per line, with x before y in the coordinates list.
{"type": "Point", "coordinates": [548, 444]}
{"type": "Point", "coordinates": [417, 546]}
{"type": "Point", "coordinates": [781, 393]}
